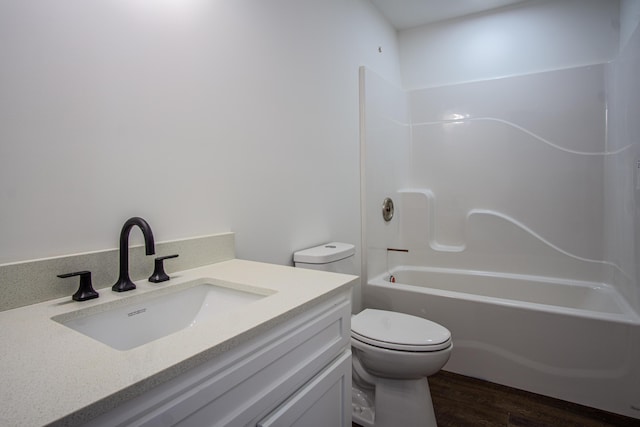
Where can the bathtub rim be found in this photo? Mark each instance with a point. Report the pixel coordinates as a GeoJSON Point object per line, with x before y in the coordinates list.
{"type": "Point", "coordinates": [629, 316]}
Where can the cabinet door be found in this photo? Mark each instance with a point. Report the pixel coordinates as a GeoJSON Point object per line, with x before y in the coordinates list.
{"type": "Point", "coordinates": [324, 401]}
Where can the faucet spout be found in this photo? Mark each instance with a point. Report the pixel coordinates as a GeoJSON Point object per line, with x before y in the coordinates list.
{"type": "Point", "coordinates": [124, 282]}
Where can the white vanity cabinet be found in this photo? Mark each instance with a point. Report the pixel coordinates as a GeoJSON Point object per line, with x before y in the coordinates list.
{"type": "Point", "coordinates": [297, 373]}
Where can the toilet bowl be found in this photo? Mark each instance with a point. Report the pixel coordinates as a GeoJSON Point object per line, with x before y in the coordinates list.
{"type": "Point", "coordinates": [392, 353]}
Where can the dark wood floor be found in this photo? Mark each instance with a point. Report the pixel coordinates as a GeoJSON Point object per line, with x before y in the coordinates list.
{"type": "Point", "coordinates": [460, 401]}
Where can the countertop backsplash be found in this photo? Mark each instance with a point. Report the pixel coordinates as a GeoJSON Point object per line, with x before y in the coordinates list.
{"type": "Point", "coordinates": [30, 282]}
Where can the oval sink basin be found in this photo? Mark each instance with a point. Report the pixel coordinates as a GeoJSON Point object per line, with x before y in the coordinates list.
{"type": "Point", "coordinates": [149, 317]}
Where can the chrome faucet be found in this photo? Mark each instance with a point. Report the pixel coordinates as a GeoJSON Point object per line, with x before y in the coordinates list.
{"type": "Point", "coordinates": [124, 282]}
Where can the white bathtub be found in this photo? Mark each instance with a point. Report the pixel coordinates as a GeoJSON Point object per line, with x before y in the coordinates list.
{"type": "Point", "coordinates": [576, 341]}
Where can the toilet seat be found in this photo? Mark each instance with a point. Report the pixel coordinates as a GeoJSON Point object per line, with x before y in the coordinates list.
{"type": "Point", "coordinates": [399, 331]}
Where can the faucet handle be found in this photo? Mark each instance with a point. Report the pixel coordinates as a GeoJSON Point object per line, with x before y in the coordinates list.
{"type": "Point", "coordinates": [158, 271]}
{"type": "Point", "coordinates": [85, 290]}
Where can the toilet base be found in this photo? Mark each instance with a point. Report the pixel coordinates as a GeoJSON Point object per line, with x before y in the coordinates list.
{"type": "Point", "coordinates": [362, 409]}
{"type": "Point", "coordinates": [397, 403]}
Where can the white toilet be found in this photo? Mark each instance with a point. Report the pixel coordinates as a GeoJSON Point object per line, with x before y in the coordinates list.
{"type": "Point", "coordinates": [393, 353]}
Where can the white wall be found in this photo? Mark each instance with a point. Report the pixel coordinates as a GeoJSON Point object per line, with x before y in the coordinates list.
{"type": "Point", "coordinates": [530, 37]}
{"type": "Point", "coordinates": [200, 116]}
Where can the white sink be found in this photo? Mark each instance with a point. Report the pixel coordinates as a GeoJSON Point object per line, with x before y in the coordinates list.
{"type": "Point", "coordinates": [151, 316]}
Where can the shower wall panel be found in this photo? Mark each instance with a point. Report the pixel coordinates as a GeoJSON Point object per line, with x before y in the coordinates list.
{"type": "Point", "coordinates": [386, 130]}
{"type": "Point", "coordinates": [525, 153]}
{"type": "Point", "coordinates": [622, 170]}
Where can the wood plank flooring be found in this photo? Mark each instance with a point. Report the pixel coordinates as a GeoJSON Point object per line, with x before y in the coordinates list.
{"type": "Point", "coordinates": [461, 401]}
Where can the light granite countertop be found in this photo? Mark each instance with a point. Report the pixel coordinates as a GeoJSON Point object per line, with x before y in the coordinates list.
{"type": "Point", "coordinates": [53, 374]}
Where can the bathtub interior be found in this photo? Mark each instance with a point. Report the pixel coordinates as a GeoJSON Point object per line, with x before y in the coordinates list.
{"type": "Point", "coordinates": [563, 295]}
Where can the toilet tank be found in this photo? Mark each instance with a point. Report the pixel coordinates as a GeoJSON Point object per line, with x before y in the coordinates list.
{"type": "Point", "coordinates": [336, 257]}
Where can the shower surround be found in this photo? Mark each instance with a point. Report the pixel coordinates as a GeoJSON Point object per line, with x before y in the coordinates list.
{"type": "Point", "coordinates": [528, 181]}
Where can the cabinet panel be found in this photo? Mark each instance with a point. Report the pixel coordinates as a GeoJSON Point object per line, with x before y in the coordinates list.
{"type": "Point", "coordinates": [244, 384]}
{"type": "Point", "coordinates": [324, 401]}
{"type": "Point", "coordinates": [266, 387]}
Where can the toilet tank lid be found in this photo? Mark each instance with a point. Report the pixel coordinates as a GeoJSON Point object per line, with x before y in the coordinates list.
{"type": "Point", "coordinates": [329, 252]}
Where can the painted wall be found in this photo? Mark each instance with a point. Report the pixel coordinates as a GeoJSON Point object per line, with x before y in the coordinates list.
{"type": "Point", "coordinates": [531, 37]}
{"type": "Point", "coordinates": [200, 116]}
